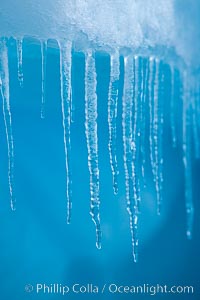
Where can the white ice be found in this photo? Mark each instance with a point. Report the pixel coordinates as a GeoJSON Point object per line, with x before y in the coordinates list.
{"type": "Point", "coordinates": [167, 26]}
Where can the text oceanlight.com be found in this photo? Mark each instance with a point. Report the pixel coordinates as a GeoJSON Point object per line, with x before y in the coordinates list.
{"type": "Point", "coordinates": [111, 288]}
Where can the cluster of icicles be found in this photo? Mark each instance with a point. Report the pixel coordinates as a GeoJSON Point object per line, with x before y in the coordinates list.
{"type": "Point", "coordinates": [143, 87]}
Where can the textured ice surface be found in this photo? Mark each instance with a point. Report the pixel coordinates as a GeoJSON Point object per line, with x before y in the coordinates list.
{"type": "Point", "coordinates": [144, 24]}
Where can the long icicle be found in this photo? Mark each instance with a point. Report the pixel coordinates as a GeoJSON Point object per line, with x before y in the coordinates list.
{"type": "Point", "coordinates": [112, 116]}
{"type": "Point", "coordinates": [65, 79]}
{"type": "Point", "coordinates": [136, 127]}
{"type": "Point", "coordinates": [160, 138]}
{"type": "Point", "coordinates": [151, 114]}
{"type": "Point", "coordinates": [145, 84]}
{"type": "Point", "coordinates": [72, 104]}
{"type": "Point", "coordinates": [44, 62]}
{"type": "Point", "coordinates": [128, 145]}
{"type": "Point", "coordinates": [187, 157]}
{"type": "Point", "coordinates": [92, 141]}
{"type": "Point", "coordinates": [19, 45]}
{"type": "Point", "coordinates": [5, 94]}
{"type": "Point", "coordinates": [156, 134]}
{"type": "Point", "coordinates": [172, 109]}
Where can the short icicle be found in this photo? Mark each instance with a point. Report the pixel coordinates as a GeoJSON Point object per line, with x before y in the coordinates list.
{"type": "Point", "coordinates": [187, 157]}
{"type": "Point", "coordinates": [112, 116]}
{"type": "Point", "coordinates": [129, 148]}
{"type": "Point", "coordinates": [92, 141]}
{"type": "Point", "coordinates": [65, 79]}
{"type": "Point", "coordinates": [44, 62]}
{"type": "Point", "coordinates": [19, 45]}
{"type": "Point", "coordinates": [196, 130]}
{"type": "Point", "coordinates": [5, 95]}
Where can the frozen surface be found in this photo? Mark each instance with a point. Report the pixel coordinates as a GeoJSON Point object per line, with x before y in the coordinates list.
{"type": "Point", "coordinates": [171, 25]}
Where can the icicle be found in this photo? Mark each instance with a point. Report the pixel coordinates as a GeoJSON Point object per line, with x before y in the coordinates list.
{"type": "Point", "coordinates": [44, 61]}
{"type": "Point", "coordinates": [72, 109]}
{"type": "Point", "coordinates": [151, 114]}
{"type": "Point", "coordinates": [187, 157]}
{"type": "Point", "coordinates": [129, 150]}
{"type": "Point", "coordinates": [112, 116]}
{"type": "Point", "coordinates": [158, 133]}
{"type": "Point", "coordinates": [92, 141]}
{"type": "Point", "coordinates": [19, 44]}
{"type": "Point", "coordinates": [160, 140]}
{"type": "Point", "coordinates": [136, 127]}
{"type": "Point", "coordinates": [145, 79]}
{"type": "Point", "coordinates": [172, 108]}
{"type": "Point", "coordinates": [194, 100]}
{"type": "Point", "coordinates": [65, 76]}
{"type": "Point", "coordinates": [155, 133]}
{"type": "Point", "coordinates": [156, 128]}
{"type": "Point", "coordinates": [5, 94]}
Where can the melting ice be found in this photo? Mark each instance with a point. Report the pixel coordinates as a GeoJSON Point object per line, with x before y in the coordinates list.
{"type": "Point", "coordinates": [141, 36]}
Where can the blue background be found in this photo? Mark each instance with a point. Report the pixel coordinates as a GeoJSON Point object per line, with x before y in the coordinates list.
{"type": "Point", "coordinates": [36, 244]}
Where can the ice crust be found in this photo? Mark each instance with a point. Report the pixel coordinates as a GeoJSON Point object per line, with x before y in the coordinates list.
{"type": "Point", "coordinates": [134, 24]}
